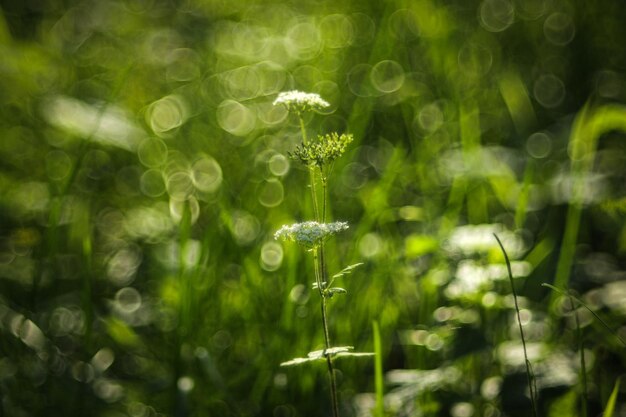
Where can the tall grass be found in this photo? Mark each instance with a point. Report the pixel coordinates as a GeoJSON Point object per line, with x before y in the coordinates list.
{"type": "Point", "coordinates": [144, 170]}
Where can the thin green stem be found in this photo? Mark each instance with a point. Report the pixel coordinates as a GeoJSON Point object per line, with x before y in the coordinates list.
{"type": "Point", "coordinates": [318, 278]}
{"type": "Point", "coordinates": [379, 409]}
{"type": "Point", "coordinates": [324, 193]}
{"type": "Point", "coordinates": [583, 367]}
{"type": "Point", "coordinates": [311, 173]}
{"type": "Point", "coordinates": [329, 361]}
{"type": "Point", "coordinates": [529, 373]}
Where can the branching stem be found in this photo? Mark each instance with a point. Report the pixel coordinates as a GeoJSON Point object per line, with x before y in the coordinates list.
{"type": "Point", "coordinates": [320, 272]}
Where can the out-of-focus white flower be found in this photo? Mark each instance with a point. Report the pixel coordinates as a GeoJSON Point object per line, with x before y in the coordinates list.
{"type": "Point", "coordinates": [476, 239]}
{"type": "Point", "coordinates": [309, 234]}
{"type": "Point", "coordinates": [300, 102]}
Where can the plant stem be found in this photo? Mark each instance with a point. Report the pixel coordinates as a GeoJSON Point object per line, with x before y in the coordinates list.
{"type": "Point", "coordinates": [379, 409]}
{"type": "Point", "coordinates": [320, 272]}
{"type": "Point", "coordinates": [583, 367]}
{"type": "Point", "coordinates": [529, 373]}
{"type": "Point", "coordinates": [311, 174]}
{"type": "Point", "coordinates": [329, 361]}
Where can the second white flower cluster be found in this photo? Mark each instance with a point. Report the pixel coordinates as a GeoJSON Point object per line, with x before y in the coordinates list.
{"type": "Point", "coordinates": [310, 234]}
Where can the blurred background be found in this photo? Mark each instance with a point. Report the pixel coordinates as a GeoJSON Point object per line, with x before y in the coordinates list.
{"type": "Point", "coordinates": [144, 170]}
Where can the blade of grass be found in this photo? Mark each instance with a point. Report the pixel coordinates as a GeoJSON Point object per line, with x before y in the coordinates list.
{"type": "Point", "coordinates": [588, 127]}
{"type": "Point", "coordinates": [379, 411]}
{"type": "Point", "coordinates": [582, 303]}
{"type": "Point", "coordinates": [610, 405]}
{"type": "Point", "coordinates": [521, 330]}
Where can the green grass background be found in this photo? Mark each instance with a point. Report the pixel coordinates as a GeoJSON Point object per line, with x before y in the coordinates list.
{"type": "Point", "coordinates": [144, 170]}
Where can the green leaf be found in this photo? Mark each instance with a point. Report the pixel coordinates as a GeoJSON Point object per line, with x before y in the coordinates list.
{"type": "Point", "coordinates": [299, 361]}
{"type": "Point", "coordinates": [354, 354]}
{"type": "Point", "coordinates": [347, 270]}
{"type": "Point", "coordinates": [330, 351]}
{"type": "Point", "coordinates": [316, 355]}
{"type": "Point", "coordinates": [336, 290]}
{"type": "Point", "coordinates": [610, 405]}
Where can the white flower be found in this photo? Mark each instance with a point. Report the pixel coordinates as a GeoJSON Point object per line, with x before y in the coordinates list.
{"type": "Point", "coordinates": [299, 102]}
{"type": "Point", "coordinates": [309, 234]}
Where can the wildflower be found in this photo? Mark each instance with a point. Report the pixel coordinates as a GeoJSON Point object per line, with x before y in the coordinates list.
{"type": "Point", "coordinates": [299, 102]}
{"type": "Point", "coordinates": [325, 150]}
{"type": "Point", "coordinates": [310, 234]}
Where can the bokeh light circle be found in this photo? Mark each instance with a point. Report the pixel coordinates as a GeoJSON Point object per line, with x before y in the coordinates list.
{"type": "Point", "coordinates": [430, 118]}
{"type": "Point", "coordinates": [151, 183]}
{"type": "Point", "coordinates": [539, 145]}
{"type": "Point", "coordinates": [271, 256]}
{"type": "Point", "coordinates": [278, 165]}
{"type": "Point", "coordinates": [303, 40]}
{"type": "Point", "coordinates": [559, 29]}
{"type": "Point", "coordinates": [337, 31]}
{"type": "Point", "coordinates": [245, 227]}
{"type": "Point", "coordinates": [235, 118]}
{"type": "Point", "coordinates": [128, 299]}
{"type": "Point", "coordinates": [177, 209]}
{"type": "Point", "coordinates": [549, 90]}
{"type": "Point", "coordinates": [152, 152]}
{"type": "Point", "coordinates": [167, 113]}
{"type": "Point", "coordinates": [206, 174]}
{"type": "Point", "coordinates": [271, 193]}
{"type": "Point", "coordinates": [387, 76]}
{"type": "Point", "coordinates": [359, 81]}
{"type": "Point", "coordinates": [179, 185]}
{"type": "Point", "coordinates": [496, 15]}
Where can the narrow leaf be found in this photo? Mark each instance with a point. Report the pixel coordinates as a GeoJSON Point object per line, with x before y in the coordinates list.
{"type": "Point", "coordinates": [354, 354]}
{"type": "Point", "coordinates": [610, 405]}
{"type": "Point", "coordinates": [347, 270]}
{"type": "Point", "coordinates": [299, 361]}
{"type": "Point", "coordinates": [582, 303]}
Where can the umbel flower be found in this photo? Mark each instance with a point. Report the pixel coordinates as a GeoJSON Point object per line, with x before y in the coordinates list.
{"type": "Point", "coordinates": [299, 102]}
{"type": "Point", "coordinates": [325, 150]}
{"type": "Point", "coordinates": [310, 234]}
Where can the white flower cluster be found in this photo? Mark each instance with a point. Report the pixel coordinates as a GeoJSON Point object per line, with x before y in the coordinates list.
{"type": "Point", "coordinates": [309, 234]}
{"type": "Point", "coordinates": [299, 102]}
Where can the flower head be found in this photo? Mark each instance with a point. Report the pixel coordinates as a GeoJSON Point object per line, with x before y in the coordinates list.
{"type": "Point", "coordinates": [325, 150]}
{"type": "Point", "coordinates": [299, 102]}
{"type": "Point", "coordinates": [309, 234]}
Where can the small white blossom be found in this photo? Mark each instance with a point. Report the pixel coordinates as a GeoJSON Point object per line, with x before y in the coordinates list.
{"type": "Point", "coordinates": [309, 234]}
{"type": "Point", "coordinates": [299, 102]}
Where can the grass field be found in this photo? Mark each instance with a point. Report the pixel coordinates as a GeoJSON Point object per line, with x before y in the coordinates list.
{"type": "Point", "coordinates": [145, 169]}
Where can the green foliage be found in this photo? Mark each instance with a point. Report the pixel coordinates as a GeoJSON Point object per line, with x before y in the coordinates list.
{"type": "Point", "coordinates": [144, 169]}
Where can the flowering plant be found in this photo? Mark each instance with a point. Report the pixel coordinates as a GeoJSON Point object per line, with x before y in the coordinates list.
{"type": "Point", "coordinates": [318, 156]}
